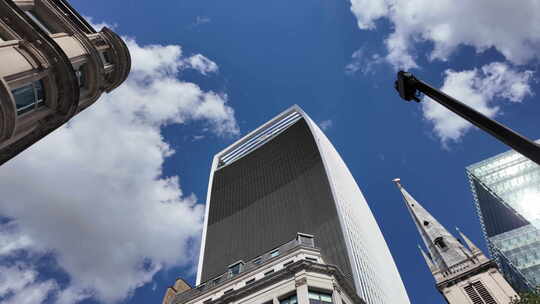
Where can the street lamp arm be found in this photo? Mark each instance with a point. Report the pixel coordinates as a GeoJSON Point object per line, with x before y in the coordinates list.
{"type": "Point", "coordinates": [409, 87]}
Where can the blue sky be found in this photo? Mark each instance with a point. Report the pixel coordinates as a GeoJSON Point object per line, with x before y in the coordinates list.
{"type": "Point", "coordinates": [121, 216]}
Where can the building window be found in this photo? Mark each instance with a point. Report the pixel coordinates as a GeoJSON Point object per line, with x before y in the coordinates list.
{"type": "Point", "coordinates": [105, 57]}
{"type": "Point", "coordinates": [311, 259]}
{"type": "Point", "coordinates": [288, 263]}
{"type": "Point", "coordinates": [289, 300]}
{"type": "Point", "coordinates": [207, 300]}
{"type": "Point", "coordinates": [305, 239]}
{"type": "Point", "coordinates": [216, 281]}
{"type": "Point", "coordinates": [39, 22]}
{"type": "Point", "coordinates": [269, 272]}
{"type": "Point", "coordinates": [274, 253]}
{"type": "Point", "coordinates": [81, 76]}
{"type": "Point", "coordinates": [228, 290]}
{"type": "Point", "coordinates": [316, 297]}
{"type": "Point", "coordinates": [250, 281]}
{"type": "Point", "coordinates": [257, 261]}
{"type": "Point", "coordinates": [236, 268]}
{"type": "Point", "coordinates": [426, 223]}
{"type": "Point", "coordinates": [29, 97]}
{"type": "Point", "coordinates": [439, 242]}
{"type": "Point", "coordinates": [478, 293]}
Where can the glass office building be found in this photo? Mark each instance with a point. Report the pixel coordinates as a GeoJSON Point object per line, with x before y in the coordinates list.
{"type": "Point", "coordinates": [506, 189]}
{"type": "Point", "coordinates": [286, 177]}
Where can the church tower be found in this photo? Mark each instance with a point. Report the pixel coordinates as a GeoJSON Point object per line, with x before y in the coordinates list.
{"type": "Point", "coordinates": [463, 274]}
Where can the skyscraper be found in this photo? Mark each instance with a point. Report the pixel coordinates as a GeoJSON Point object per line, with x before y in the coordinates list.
{"type": "Point", "coordinates": [53, 65]}
{"type": "Point", "coordinates": [462, 274]}
{"type": "Point", "coordinates": [506, 191]}
{"type": "Point", "coordinates": [286, 177]}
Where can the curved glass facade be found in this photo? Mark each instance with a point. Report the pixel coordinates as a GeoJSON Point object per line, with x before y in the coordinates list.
{"type": "Point", "coordinates": [284, 178]}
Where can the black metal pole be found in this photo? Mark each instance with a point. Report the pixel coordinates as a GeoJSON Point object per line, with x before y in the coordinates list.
{"type": "Point", "coordinates": [407, 86]}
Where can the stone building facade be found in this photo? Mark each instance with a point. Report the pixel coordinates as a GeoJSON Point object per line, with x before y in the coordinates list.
{"type": "Point", "coordinates": [53, 66]}
{"type": "Point", "coordinates": [293, 273]}
{"type": "Point", "coordinates": [463, 274]}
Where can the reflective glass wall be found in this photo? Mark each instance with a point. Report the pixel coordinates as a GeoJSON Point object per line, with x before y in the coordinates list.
{"type": "Point", "coordinates": [506, 190]}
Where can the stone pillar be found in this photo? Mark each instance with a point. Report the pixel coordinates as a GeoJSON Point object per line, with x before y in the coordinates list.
{"type": "Point", "coordinates": [302, 291]}
{"type": "Point", "coordinates": [336, 295]}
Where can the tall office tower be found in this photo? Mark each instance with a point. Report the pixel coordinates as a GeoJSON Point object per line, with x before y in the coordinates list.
{"type": "Point", "coordinates": [53, 65]}
{"type": "Point", "coordinates": [286, 177]}
{"type": "Point", "coordinates": [462, 274]}
{"type": "Point", "coordinates": [506, 191]}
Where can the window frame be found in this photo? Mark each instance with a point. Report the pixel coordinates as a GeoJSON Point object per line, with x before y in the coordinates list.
{"type": "Point", "coordinates": [239, 264]}
{"type": "Point", "coordinates": [318, 299]}
{"type": "Point", "coordinates": [38, 20]}
{"type": "Point", "coordinates": [288, 263]}
{"type": "Point", "coordinates": [81, 75]}
{"type": "Point", "coordinates": [440, 243]}
{"type": "Point", "coordinates": [37, 101]}
{"type": "Point", "coordinates": [274, 253]}
{"type": "Point", "coordinates": [286, 299]}
{"type": "Point", "coordinates": [105, 56]}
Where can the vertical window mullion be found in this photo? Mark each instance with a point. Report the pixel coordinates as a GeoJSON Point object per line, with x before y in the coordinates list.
{"type": "Point", "coordinates": [35, 95]}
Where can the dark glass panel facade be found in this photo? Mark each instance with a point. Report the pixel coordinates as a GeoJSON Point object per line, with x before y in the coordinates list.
{"type": "Point", "coordinates": [263, 199]}
{"type": "Point", "coordinates": [497, 217]}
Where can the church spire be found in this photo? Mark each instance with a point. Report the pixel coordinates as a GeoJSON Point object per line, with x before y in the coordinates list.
{"type": "Point", "coordinates": [445, 250]}
{"type": "Point", "coordinates": [472, 247]}
{"type": "Point", "coordinates": [462, 275]}
{"type": "Point", "coordinates": [429, 262]}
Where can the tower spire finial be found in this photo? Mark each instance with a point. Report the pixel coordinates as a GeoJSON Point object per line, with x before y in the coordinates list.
{"type": "Point", "coordinates": [472, 247]}
{"type": "Point", "coordinates": [397, 180]}
{"type": "Point", "coordinates": [428, 260]}
{"type": "Point", "coordinates": [444, 249]}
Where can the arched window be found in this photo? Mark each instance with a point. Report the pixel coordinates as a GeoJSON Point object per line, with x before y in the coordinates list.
{"type": "Point", "coordinates": [439, 242]}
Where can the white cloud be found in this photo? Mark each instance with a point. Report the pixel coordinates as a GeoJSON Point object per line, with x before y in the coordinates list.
{"type": "Point", "coordinates": [514, 30]}
{"type": "Point", "coordinates": [18, 284]}
{"type": "Point", "coordinates": [33, 293]}
{"type": "Point", "coordinates": [325, 124]}
{"type": "Point", "coordinates": [202, 64]}
{"type": "Point", "coordinates": [92, 192]}
{"type": "Point", "coordinates": [15, 278]}
{"type": "Point", "coordinates": [11, 240]}
{"type": "Point", "coordinates": [98, 26]}
{"type": "Point", "coordinates": [362, 62]}
{"type": "Point", "coordinates": [480, 89]}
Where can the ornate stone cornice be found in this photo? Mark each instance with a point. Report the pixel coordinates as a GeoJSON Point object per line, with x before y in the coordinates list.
{"type": "Point", "coordinates": [458, 277]}
{"type": "Point", "coordinates": [80, 23]}
{"type": "Point", "coordinates": [79, 28]}
{"type": "Point", "coordinates": [284, 274]}
{"type": "Point", "coordinates": [300, 282]}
